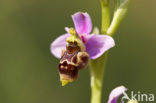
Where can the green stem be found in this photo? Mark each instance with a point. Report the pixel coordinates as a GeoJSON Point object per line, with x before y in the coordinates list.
{"type": "Point", "coordinates": [97, 70]}
{"type": "Point", "coordinates": [105, 13]}
{"type": "Point", "coordinates": [97, 66]}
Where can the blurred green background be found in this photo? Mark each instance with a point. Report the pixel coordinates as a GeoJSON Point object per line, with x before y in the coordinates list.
{"type": "Point", "coordinates": [28, 71]}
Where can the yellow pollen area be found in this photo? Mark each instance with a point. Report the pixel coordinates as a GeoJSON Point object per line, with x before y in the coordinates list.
{"type": "Point", "coordinates": [65, 82]}
{"type": "Point", "coordinates": [72, 31]}
{"type": "Point", "coordinates": [75, 38]}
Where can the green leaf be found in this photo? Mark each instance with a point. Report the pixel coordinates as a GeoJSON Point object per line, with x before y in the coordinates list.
{"type": "Point", "coordinates": [119, 13]}
{"type": "Point", "coordinates": [122, 3]}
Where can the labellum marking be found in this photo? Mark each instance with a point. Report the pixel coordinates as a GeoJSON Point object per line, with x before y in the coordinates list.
{"type": "Point", "coordinates": [71, 61]}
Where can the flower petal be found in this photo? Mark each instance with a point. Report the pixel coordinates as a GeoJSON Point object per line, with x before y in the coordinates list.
{"type": "Point", "coordinates": [82, 22]}
{"type": "Point", "coordinates": [96, 45]}
{"type": "Point", "coordinates": [67, 29]}
{"type": "Point", "coordinates": [116, 93]}
{"type": "Point", "coordinates": [58, 45]}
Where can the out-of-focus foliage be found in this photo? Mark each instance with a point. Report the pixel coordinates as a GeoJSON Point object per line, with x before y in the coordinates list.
{"type": "Point", "coordinates": [28, 72]}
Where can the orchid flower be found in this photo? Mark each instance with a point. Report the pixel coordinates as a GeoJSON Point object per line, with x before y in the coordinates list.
{"type": "Point", "coordinates": [78, 46]}
{"type": "Point", "coordinates": [95, 45]}
{"type": "Point", "coordinates": [79, 43]}
{"type": "Point", "coordinates": [118, 91]}
{"type": "Point", "coordinates": [115, 93]}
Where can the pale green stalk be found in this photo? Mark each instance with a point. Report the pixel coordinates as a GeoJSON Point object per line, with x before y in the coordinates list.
{"type": "Point", "coordinates": [119, 14]}
{"type": "Point", "coordinates": [105, 16]}
{"type": "Point", "coordinates": [97, 66]}
{"type": "Point", "coordinates": [97, 72]}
